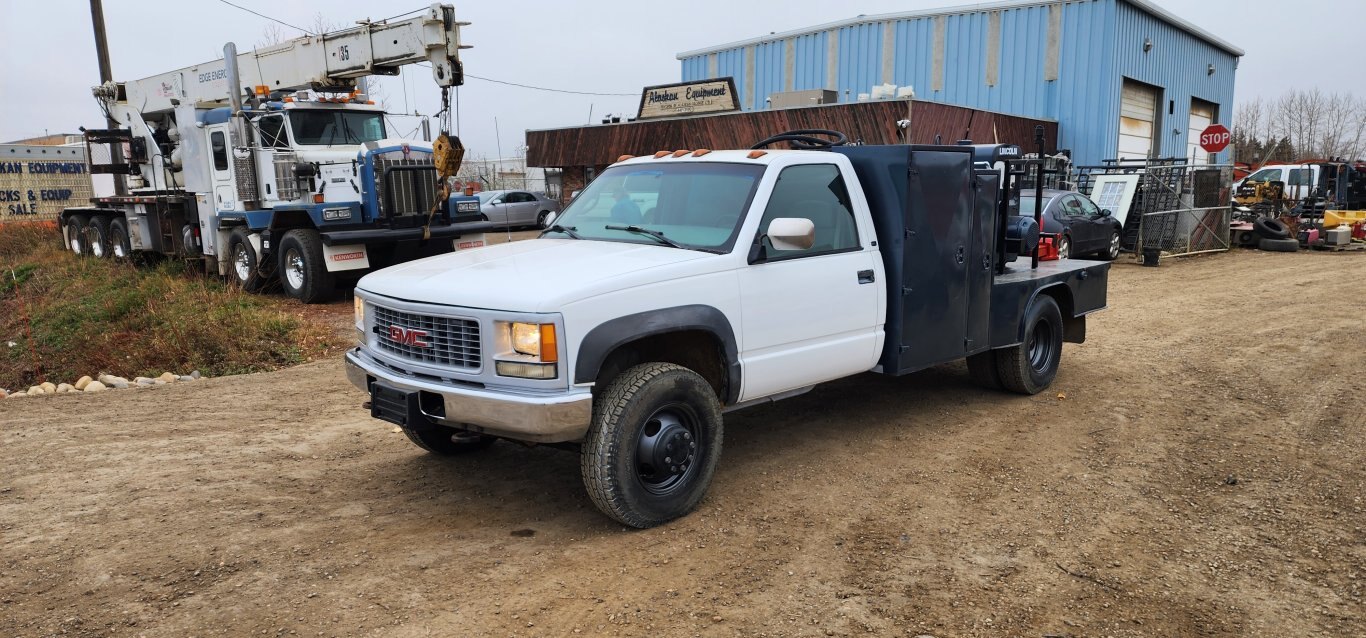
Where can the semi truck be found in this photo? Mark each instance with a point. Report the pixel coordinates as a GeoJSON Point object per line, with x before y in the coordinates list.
{"type": "Point", "coordinates": [684, 285]}
{"type": "Point", "coordinates": [273, 164]}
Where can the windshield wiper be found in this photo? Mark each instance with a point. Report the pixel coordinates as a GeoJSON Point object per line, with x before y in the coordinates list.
{"type": "Point", "coordinates": [647, 231]}
{"type": "Point", "coordinates": [568, 230]}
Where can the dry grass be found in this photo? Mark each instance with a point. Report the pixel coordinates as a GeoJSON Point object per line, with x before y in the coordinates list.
{"type": "Point", "coordinates": [67, 316]}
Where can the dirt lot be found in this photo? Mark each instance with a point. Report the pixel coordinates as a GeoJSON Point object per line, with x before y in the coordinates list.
{"type": "Point", "coordinates": [1196, 471]}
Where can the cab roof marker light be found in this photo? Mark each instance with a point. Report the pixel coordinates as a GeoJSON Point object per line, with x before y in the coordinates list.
{"type": "Point", "coordinates": [756, 154]}
{"type": "Point", "coordinates": [681, 153]}
{"type": "Point", "coordinates": [661, 154]}
{"type": "Point", "coordinates": [700, 152]}
{"type": "Point", "coordinates": [625, 157]}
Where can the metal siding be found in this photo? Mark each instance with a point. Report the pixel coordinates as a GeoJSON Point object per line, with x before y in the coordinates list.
{"type": "Point", "coordinates": [1087, 93]}
{"type": "Point", "coordinates": [914, 56]}
{"type": "Point", "coordinates": [768, 72]}
{"type": "Point", "coordinates": [1177, 63]}
{"type": "Point", "coordinates": [694, 68]}
{"type": "Point", "coordinates": [860, 60]}
{"type": "Point", "coordinates": [809, 70]}
{"type": "Point", "coordinates": [731, 63]}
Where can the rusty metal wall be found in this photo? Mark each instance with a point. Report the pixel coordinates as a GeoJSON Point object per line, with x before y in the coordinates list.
{"type": "Point", "coordinates": [869, 122]}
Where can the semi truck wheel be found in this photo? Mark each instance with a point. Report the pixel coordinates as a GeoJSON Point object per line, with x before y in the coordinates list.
{"type": "Point", "coordinates": [243, 267]}
{"type": "Point", "coordinates": [75, 234]}
{"type": "Point", "coordinates": [97, 237]}
{"type": "Point", "coordinates": [653, 446]}
{"type": "Point", "coordinates": [444, 441]}
{"type": "Point", "coordinates": [302, 271]}
{"type": "Point", "coordinates": [119, 243]}
{"type": "Point", "coordinates": [1030, 367]}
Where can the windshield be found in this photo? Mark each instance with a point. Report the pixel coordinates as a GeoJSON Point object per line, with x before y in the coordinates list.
{"type": "Point", "coordinates": [324, 128]}
{"type": "Point", "coordinates": [697, 205]}
{"type": "Point", "coordinates": [1265, 175]}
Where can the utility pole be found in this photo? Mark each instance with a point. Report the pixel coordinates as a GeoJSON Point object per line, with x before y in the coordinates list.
{"type": "Point", "coordinates": [101, 46]}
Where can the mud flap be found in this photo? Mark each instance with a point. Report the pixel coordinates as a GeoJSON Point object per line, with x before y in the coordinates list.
{"type": "Point", "coordinates": [347, 257]}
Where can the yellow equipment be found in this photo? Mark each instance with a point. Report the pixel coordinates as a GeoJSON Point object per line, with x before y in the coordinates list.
{"type": "Point", "coordinates": [1335, 218]}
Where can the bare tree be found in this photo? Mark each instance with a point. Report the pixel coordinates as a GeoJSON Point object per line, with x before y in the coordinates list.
{"type": "Point", "coordinates": [1308, 124]}
{"type": "Point", "coordinates": [270, 35]}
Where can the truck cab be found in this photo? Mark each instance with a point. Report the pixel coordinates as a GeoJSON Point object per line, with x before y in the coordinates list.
{"type": "Point", "coordinates": [680, 286]}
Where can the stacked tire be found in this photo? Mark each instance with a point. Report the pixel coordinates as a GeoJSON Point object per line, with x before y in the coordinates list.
{"type": "Point", "coordinates": [1274, 236]}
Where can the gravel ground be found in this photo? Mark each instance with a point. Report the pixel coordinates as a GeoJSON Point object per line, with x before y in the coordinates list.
{"type": "Point", "coordinates": [1195, 471]}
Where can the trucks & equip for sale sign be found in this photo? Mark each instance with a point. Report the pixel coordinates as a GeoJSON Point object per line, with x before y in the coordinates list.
{"type": "Point", "coordinates": [37, 182]}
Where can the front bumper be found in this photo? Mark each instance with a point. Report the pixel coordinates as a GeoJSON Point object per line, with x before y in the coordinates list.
{"type": "Point", "coordinates": [452, 231]}
{"type": "Point", "coordinates": [542, 418]}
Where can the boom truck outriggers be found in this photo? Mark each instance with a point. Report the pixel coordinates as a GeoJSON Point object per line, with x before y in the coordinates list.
{"type": "Point", "coordinates": [274, 163]}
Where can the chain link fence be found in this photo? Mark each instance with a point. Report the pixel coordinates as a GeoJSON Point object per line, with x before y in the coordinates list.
{"type": "Point", "coordinates": [1186, 231]}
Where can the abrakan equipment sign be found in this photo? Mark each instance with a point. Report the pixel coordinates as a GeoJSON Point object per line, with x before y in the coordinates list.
{"type": "Point", "coordinates": [689, 98]}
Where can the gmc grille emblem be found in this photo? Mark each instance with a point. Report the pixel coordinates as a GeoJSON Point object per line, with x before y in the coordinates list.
{"type": "Point", "coordinates": [408, 336]}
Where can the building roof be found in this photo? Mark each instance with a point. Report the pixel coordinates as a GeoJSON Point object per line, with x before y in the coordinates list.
{"type": "Point", "coordinates": [1147, 6]}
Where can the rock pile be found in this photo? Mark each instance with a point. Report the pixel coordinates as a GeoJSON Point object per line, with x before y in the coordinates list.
{"type": "Point", "coordinates": [99, 384]}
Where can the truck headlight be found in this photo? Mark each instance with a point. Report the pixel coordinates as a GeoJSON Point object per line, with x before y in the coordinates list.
{"type": "Point", "coordinates": [534, 351]}
{"type": "Point", "coordinates": [535, 339]}
{"type": "Point", "coordinates": [360, 313]}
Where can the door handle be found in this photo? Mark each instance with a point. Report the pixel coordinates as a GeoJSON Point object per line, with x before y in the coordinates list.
{"type": "Point", "coordinates": [865, 276]}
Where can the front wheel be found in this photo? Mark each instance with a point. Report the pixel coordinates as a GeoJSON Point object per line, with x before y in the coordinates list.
{"type": "Point", "coordinates": [242, 263]}
{"type": "Point", "coordinates": [1031, 366]}
{"type": "Point", "coordinates": [653, 446]}
{"type": "Point", "coordinates": [1111, 253]}
{"type": "Point", "coordinates": [302, 272]}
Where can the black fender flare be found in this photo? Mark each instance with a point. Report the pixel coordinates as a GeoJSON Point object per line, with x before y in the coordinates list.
{"type": "Point", "coordinates": [1074, 325]}
{"type": "Point", "coordinates": [602, 340]}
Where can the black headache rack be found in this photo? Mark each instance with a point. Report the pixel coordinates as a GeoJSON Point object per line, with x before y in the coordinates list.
{"type": "Point", "coordinates": [956, 284]}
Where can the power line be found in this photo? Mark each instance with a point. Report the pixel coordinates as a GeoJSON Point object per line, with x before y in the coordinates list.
{"type": "Point", "coordinates": [403, 14]}
{"type": "Point", "coordinates": [266, 17]}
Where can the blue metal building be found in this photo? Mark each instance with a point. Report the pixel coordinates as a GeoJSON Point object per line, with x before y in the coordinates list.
{"type": "Point", "coordinates": [1123, 78]}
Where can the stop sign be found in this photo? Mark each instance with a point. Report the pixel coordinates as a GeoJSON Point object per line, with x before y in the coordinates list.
{"type": "Point", "coordinates": [1214, 138]}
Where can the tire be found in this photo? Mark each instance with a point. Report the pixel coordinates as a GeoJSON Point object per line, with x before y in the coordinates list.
{"type": "Point", "coordinates": [1065, 247]}
{"type": "Point", "coordinates": [97, 237]}
{"type": "Point", "coordinates": [1279, 245]}
{"type": "Point", "coordinates": [1112, 252]}
{"type": "Point", "coordinates": [302, 272]}
{"type": "Point", "coordinates": [444, 441]}
{"type": "Point", "coordinates": [1268, 228]}
{"type": "Point", "coordinates": [120, 244]}
{"type": "Point", "coordinates": [982, 368]}
{"type": "Point", "coordinates": [75, 233]}
{"type": "Point", "coordinates": [243, 268]}
{"type": "Point", "coordinates": [644, 419]}
{"type": "Point", "coordinates": [541, 218]}
{"type": "Point", "coordinates": [1030, 367]}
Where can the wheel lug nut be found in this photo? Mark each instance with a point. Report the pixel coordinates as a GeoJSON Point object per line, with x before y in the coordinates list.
{"type": "Point", "coordinates": [674, 469]}
{"type": "Point", "coordinates": [692, 445]}
{"type": "Point", "coordinates": [687, 435]}
{"type": "Point", "coordinates": [668, 459]}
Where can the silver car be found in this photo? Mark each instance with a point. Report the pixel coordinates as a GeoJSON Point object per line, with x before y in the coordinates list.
{"type": "Point", "coordinates": [517, 208]}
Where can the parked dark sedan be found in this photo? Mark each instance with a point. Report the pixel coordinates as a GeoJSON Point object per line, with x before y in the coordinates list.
{"type": "Point", "coordinates": [1086, 229]}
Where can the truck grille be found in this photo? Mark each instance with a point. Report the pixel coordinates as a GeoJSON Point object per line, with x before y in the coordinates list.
{"type": "Point", "coordinates": [406, 187]}
{"type": "Point", "coordinates": [441, 341]}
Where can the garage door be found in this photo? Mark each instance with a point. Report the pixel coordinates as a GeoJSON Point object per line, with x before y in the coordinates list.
{"type": "Point", "coordinates": [1137, 120]}
{"type": "Point", "coordinates": [1202, 115]}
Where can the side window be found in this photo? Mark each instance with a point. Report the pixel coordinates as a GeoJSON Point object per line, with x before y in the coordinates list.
{"type": "Point", "coordinates": [1071, 206]}
{"type": "Point", "coordinates": [1088, 208]}
{"type": "Point", "coordinates": [220, 151]}
{"type": "Point", "coordinates": [520, 198]}
{"type": "Point", "coordinates": [1298, 177]}
{"type": "Point", "coordinates": [273, 132]}
{"type": "Point", "coordinates": [815, 192]}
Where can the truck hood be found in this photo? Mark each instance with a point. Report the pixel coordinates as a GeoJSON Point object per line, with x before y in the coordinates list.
{"type": "Point", "coordinates": [537, 275]}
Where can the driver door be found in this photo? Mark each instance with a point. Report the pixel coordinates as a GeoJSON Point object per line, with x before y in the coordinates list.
{"type": "Point", "coordinates": [809, 315]}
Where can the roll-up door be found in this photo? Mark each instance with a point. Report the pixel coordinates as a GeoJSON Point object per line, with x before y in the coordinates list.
{"type": "Point", "coordinates": [1137, 120]}
{"type": "Point", "coordinates": [1202, 115]}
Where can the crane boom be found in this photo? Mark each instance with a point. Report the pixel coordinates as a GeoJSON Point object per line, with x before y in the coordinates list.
{"type": "Point", "coordinates": [328, 62]}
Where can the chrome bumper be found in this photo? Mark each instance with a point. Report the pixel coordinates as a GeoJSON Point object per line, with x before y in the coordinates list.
{"type": "Point", "coordinates": [541, 418]}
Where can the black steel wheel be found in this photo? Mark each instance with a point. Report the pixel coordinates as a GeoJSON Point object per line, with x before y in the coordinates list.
{"type": "Point", "coordinates": [654, 444]}
{"type": "Point", "coordinates": [444, 441]}
{"type": "Point", "coordinates": [119, 243]}
{"type": "Point", "coordinates": [1031, 366]}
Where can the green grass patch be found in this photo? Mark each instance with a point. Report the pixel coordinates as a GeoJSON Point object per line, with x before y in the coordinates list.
{"type": "Point", "coordinates": [62, 317]}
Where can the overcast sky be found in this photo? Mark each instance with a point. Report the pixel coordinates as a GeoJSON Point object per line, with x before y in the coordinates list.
{"type": "Point", "coordinates": [49, 64]}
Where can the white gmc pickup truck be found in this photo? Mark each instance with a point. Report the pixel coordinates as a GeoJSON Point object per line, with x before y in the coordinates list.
{"type": "Point", "coordinates": [684, 285]}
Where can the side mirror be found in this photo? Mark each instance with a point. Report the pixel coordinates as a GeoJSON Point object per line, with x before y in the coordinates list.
{"type": "Point", "coordinates": [792, 233]}
{"type": "Point", "coordinates": [1105, 212]}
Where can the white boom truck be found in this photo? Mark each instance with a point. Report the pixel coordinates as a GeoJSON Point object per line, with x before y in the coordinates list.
{"type": "Point", "coordinates": [272, 162]}
{"type": "Point", "coordinates": [681, 286]}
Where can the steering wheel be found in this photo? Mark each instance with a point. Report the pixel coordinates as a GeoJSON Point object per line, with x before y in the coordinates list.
{"type": "Point", "coordinates": [806, 139]}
